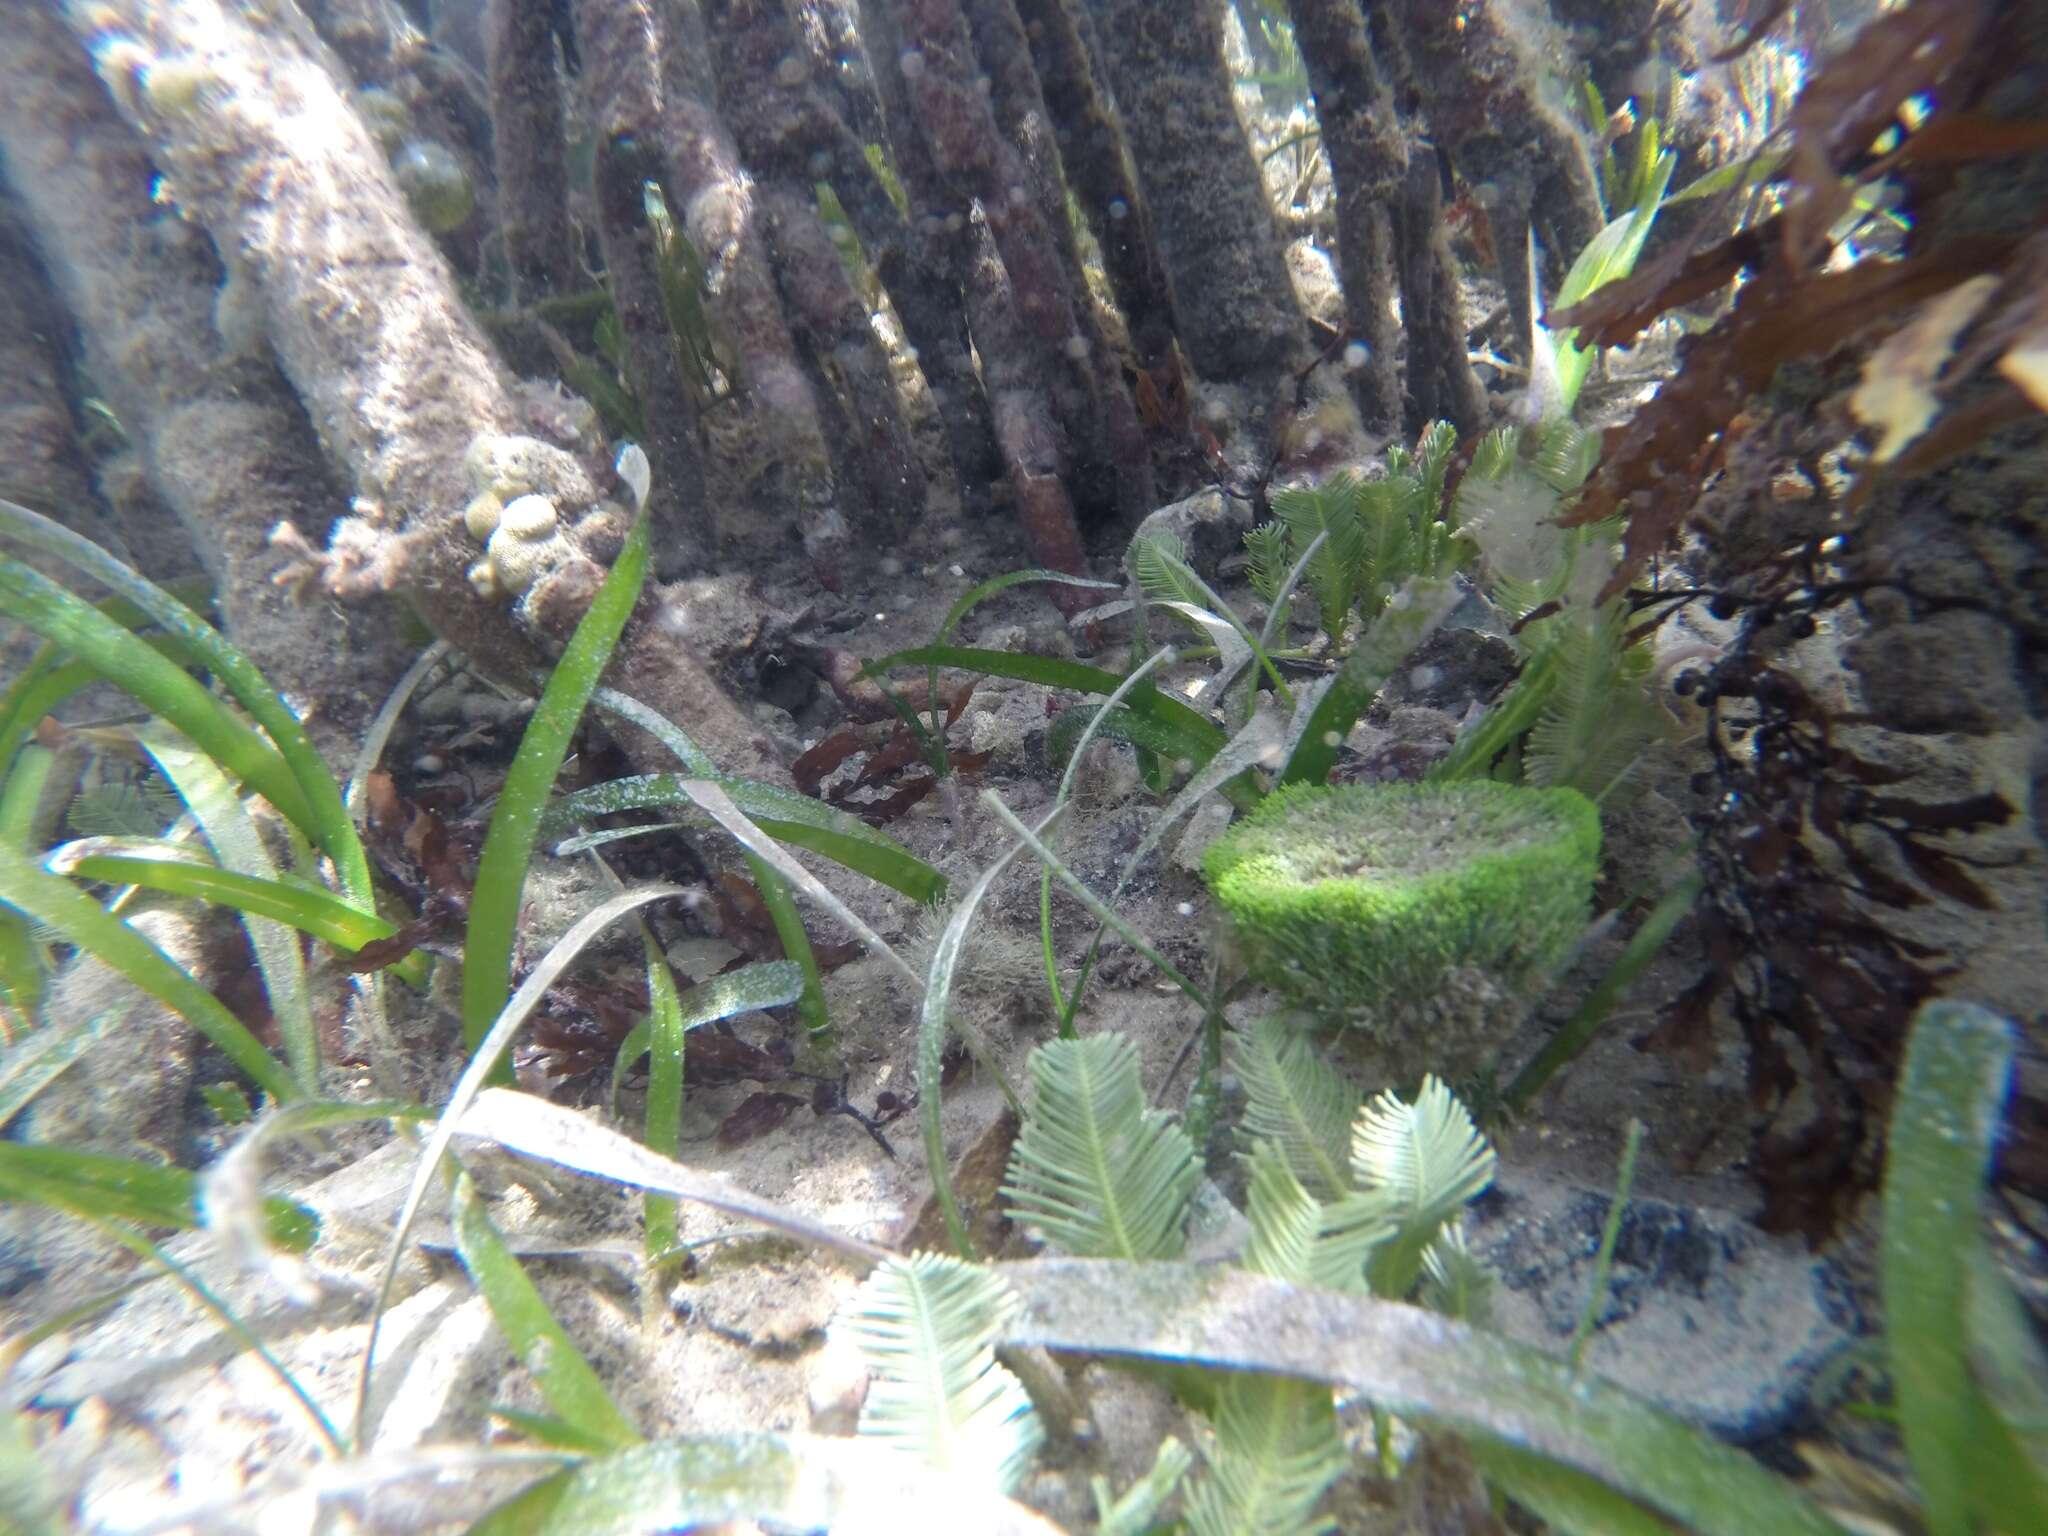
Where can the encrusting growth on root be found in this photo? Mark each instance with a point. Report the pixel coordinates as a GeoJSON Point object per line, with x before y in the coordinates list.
{"type": "Point", "coordinates": [956, 122]}
{"type": "Point", "coordinates": [1092, 151]}
{"type": "Point", "coordinates": [792, 124]}
{"type": "Point", "coordinates": [714, 207]}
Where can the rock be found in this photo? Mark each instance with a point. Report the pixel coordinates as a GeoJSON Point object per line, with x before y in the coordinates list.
{"type": "Point", "coordinates": [1205, 825]}
{"type": "Point", "coordinates": [1210, 526]}
{"type": "Point", "coordinates": [1452, 670]}
{"type": "Point", "coordinates": [1000, 733]}
{"type": "Point", "coordinates": [1475, 610]}
{"type": "Point", "coordinates": [1706, 1316]}
{"type": "Point", "coordinates": [1396, 745]}
{"type": "Point", "coordinates": [1950, 671]}
{"type": "Point", "coordinates": [835, 1387]}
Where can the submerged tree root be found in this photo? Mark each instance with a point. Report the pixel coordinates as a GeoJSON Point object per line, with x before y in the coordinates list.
{"type": "Point", "coordinates": [221, 435]}
{"type": "Point", "coordinates": [404, 394]}
{"type": "Point", "coordinates": [40, 458]}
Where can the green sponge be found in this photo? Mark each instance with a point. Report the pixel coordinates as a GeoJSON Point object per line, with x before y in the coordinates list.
{"type": "Point", "coordinates": [1371, 904]}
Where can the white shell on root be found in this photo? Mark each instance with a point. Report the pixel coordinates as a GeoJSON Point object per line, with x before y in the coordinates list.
{"type": "Point", "coordinates": [512, 465]}
{"type": "Point", "coordinates": [519, 563]}
{"type": "Point", "coordinates": [481, 516]}
{"type": "Point", "coordinates": [527, 517]}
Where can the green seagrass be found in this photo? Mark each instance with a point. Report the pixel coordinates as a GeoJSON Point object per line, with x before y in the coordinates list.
{"type": "Point", "coordinates": [1361, 901]}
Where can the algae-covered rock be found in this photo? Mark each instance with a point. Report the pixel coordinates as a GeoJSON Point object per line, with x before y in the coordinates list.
{"type": "Point", "coordinates": [1415, 911]}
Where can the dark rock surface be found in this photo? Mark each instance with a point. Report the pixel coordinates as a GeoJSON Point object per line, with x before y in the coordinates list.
{"type": "Point", "coordinates": [1705, 1315]}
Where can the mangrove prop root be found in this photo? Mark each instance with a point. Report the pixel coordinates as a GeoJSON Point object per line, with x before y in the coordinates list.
{"type": "Point", "coordinates": [361, 313]}
{"type": "Point", "coordinates": [220, 434]}
{"type": "Point", "coordinates": [530, 149]}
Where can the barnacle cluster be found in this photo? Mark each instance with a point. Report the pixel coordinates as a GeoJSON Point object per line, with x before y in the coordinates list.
{"type": "Point", "coordinates": [521, 487]}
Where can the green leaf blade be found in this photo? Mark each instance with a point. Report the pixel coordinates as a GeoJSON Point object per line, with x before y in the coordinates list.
{"type": "Point", "coordinates": [1417, 1365]}
{"type": "Point", "coordinates": [154, 680]}
{"type": "Point", "coordinates": [783, 814]}
{"type": "Point", "coordinates": [316, 807]}
{"type": "Point", "coordinates": [1952, 1088]}
{"type": "Point", "coordinates": [240, 849]}
{"type": "Point", "coordinates": [508, 846]}
{"type": "Point", "coordinates": [83, 922]}
{"type": "Point", "coordinates": [98, 1185]}
{"type": "Point", "coordinates": [667, 1034]}
{"type": "Point", "coordinates": [170, 868]}
{"type": "Point", "coordinates": [1057, 672]}
{"type": "Point", "coordinates": [572, 1389]}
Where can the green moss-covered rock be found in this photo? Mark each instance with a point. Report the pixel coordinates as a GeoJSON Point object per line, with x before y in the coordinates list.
{"type": "Point", "coordinates": [1409, 908]}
